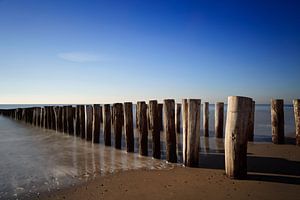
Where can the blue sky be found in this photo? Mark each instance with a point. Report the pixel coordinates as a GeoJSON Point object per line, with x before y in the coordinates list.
{"type": "Point", "coordinates": [60, 51]}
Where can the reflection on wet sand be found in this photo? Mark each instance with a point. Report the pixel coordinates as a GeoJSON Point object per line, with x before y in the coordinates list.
{"type": "Point", "coordinates": [35, 160]}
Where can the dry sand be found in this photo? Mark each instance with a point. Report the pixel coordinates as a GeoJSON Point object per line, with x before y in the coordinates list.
{"type": "Point", "coordinates": [273, 173]}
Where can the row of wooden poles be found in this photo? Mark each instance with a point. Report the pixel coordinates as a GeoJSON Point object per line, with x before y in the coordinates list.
{"type": "Point", "coordinates": [84, 121]}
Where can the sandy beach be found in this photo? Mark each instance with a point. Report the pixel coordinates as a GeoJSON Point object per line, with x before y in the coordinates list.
{"type": "Point", "coordinates": [273, 173]}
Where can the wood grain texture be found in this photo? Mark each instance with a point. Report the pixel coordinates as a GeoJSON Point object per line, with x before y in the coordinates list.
{"type": "Point", "coordinates": [238, 112]}
{"type": "Point", "coordinates": [193, 132]}
{"type": "Point", "coordinates": [107, 124]}
{"type": "Point", "coordinates": [169, 122]}
{"type": "Point", "coordinates": [206, 119]}
{"type": "Point", "coordinates": [296, 104]}
{"type": "Point", "coordinates": [142, 128]}
{"type": "Point", "coordinates": [277, 120]}
{"type": "Point", "coordinates": [219, 119]}
{"type": "Point", "coordinates": [128, 120]}
{"type": "Point", "coordinates": [155, 129]}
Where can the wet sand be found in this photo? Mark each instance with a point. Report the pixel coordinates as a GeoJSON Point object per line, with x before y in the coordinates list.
{"type": "Point", "coordinates": [273, 173]}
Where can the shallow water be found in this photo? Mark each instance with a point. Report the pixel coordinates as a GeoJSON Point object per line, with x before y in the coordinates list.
{"type": "Point", "coordinates": [35, 160]}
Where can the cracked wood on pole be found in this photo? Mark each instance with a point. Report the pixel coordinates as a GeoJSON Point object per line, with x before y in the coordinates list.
{"type": "Point", "coordinates": [277, 119]}
{"type": "Point", "coordinates": [219, 119]}
{"type": "Point", "coordinates": [178, 114]}
{"type": "Point", "coordinates": [169, 122]}
{"type": "Point", "coordinates": [206, 119]}
{"type": "Point", "coordinates": [118, 119]}
{"type": "Point", "coordinates": [107, 124]}
{"type": "Point", "coordinates": [96, 123]}
{"type": "Point", "coordinates": [238, 112]}
{"type": "Point", "coordinates": [296, 103]}
{"type": "Point", "coordinates": [89, 122]}
{"type": "Point", "coordinates": [191, 130]}
{"type": "Point", "coordinates": [154, 128]}
{"type": "Point", "coordinates": [142, 127]}
{"type": "Point", "coordinates": [251, 123]}
{"type": "Point", "coordinates": [128, 120]}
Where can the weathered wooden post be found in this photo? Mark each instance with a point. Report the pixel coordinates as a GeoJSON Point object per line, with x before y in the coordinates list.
{"type": "Point", "coordinates": [89, 122]}
{"type": "Point", "coordinates": [107, 124]}
{"type": "Point", "coordinates": [56, 112]}
{"type": "Point", "coordinates": [96, 122]}
{"type": "Point", "coordinates": [129, 134]}
{"type": "Point", "coordinates": [117, 117]}
{"type": "Point", "coordinates": [219, 119]}
{"type": "Point", "coordinates": [206, 119]}
{"type": "Point", "coordinates": [34, 116]}
{"type": "Point", "coordinates": [53, 118]}
{"type": "Point", "coordinates": [70, 115]}
{"type": "Point", "coordinates": [160, 116]}
{"type": "Point", "coordinates": [101, 115]}
{"type": "Point", "coordinates": [238, 112]}
{"type": "Point", "coordinates": [77, 116]}
{"type": "Point", "coordinates": [169, 122]}
{"type": "Point", "coordinates": [178, 114]}
{"type": "Point", "coordinates": [277, 119]}
{"type": "Point", "coordinates": [251, 123]}
{"type": "Point", "coordinates": [184, 129]}
{"type": "Point", "coordinates": [65, 119]}
{"type": "Point", "coordinates": [153, 115]}
{"type": "Point", "coordinates": [296, 103]}
{"type": "Point", "coordinates": [82, 121]}
{"type": "Point", "coordinates": [46, 117]}
{"type": "Point", "coordinates": [60, 119]}
{"type": "Point", "coordinates": [192, 112]}
{"type": "Point", "coordinates": [43, 120]}
{"type": "Point", "coordinates": [142, 128]}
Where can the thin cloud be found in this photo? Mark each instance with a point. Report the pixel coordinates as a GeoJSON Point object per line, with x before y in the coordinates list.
{"type": "Point", "coordinates": [81, 57]}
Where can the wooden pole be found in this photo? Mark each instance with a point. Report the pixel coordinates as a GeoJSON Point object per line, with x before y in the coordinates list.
{"type": "Point", "coordinates": [60, 119]}
{"type": "Point", "coordinates": [53, 118]}
{"type": "Point", "coordinates": [169, 122]}
{"type": "Point", "coordinates": [107, 124]}
{"type": "Point", "coordinates": [206, 119]}
{"type": "Point", "coordinates": [89, 122]}
{"type": "Point", "coordinates": [142, 128]}
{"type": "Point", "coordinates": [77, 115]}
{"type": "Point", "coordinates": [184, 129]}
{"type": "Point", "coordinates": [96, 122]}
{"type": "Point", "coordinates": [296, 103]}
{"type": "Point", "coordinates": [65, 119]}
{"type": "Point", "coordinates": [82, 122]}
{"type": "Point", "coordinates": [219, 119]}
{"type": "Point", "coordinates": [251, 123]}
{"type": "Point", "coordinates": [101, 115]}
{"type": "Point", "coordinates": [178, 114]}
{"type": "Point", "coordinates": [70, 116]}
{"type": "Point", "coordinates": [153, 116]}
{"type": "Point", "coordinates": [118, 118]}
{"type": "Point", "coordinates": [129, 134]}
{"type": "Point", "coordinates": [192, 139]}
{"type": "Point", "coordinates": [277, 119]}
{"type": "Point", "coordinates": [238, 112]}
{"type": "Point", "coordinates": [160, 116]}
{"type": "Point", "coordinates": [56, 112]}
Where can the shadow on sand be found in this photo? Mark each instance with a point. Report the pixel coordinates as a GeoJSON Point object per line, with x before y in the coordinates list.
{"type": "Point", "coordinates": [259, 168]}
